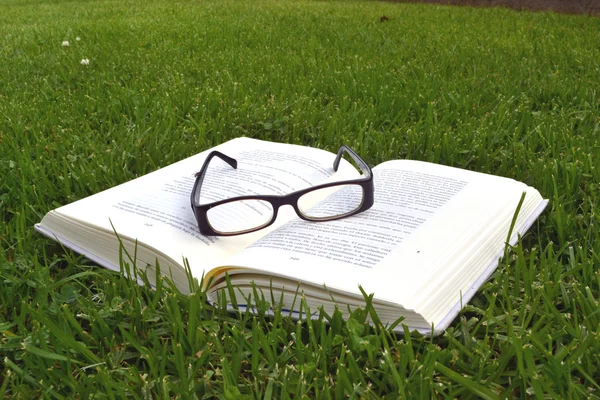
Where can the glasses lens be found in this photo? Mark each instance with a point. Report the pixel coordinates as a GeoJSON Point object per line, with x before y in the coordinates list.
{"type": "Point", "coordinates": [240, 216]}
{"type": "Point", "coordinates": [340, 200]}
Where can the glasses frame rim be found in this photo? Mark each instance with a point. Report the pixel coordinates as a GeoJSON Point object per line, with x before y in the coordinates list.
{"type": "Point", "coordinates": [277, 201]}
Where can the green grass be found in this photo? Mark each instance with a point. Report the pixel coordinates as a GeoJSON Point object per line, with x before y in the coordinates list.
{"type": "Point", "coordinates": [491, 90]}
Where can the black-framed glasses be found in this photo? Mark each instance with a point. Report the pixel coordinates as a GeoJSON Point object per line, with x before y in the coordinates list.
{"type": "Point", "coordinates": [222, 218]}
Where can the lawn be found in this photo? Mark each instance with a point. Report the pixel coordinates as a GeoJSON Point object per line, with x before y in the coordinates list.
{"type": "Point", "coordinates": [490, 90]}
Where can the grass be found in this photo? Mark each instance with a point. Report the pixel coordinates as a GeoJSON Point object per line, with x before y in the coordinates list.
{"type": "Point", "coordinates": [491, 90]}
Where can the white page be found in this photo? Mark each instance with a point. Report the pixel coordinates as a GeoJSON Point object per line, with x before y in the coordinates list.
{"type": "Point", "coordinates": [426, 264]}
{"type": "Point", "coordinates": [346, 252]}
{"type": "Point", "coordinates": [447, 286]}
{"type": "Point", "coordinates": [422, 212]}
{"type": "Point", "coordinates": [155, 209]}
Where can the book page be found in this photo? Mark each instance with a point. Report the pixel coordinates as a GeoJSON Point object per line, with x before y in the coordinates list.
{"type": "Point", "coordinates": [156, 211]}
{"type": "Point", "coordinates": [404, 200]}
{"type": "Point", "coordinates": [419, 207]}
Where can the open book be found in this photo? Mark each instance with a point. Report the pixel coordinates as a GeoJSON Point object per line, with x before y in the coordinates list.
{"type": "Point", "coordinates": [432, 238]}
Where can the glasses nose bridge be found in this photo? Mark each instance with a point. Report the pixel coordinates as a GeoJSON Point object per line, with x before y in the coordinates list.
{"type": "Point", "coordinates": [286, 200]}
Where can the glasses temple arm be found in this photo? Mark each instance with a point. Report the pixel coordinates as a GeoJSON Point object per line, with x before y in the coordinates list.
{"type": "Point", "coordinates": [359, 161]}
{"type": "Point", "coordinates": [231, 161]}
{"type": "Point", "coordinates": [200, 174]}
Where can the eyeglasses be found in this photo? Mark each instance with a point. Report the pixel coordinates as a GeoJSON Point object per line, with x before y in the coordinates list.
{"type": "Point", "coordinates": [245, 214]}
